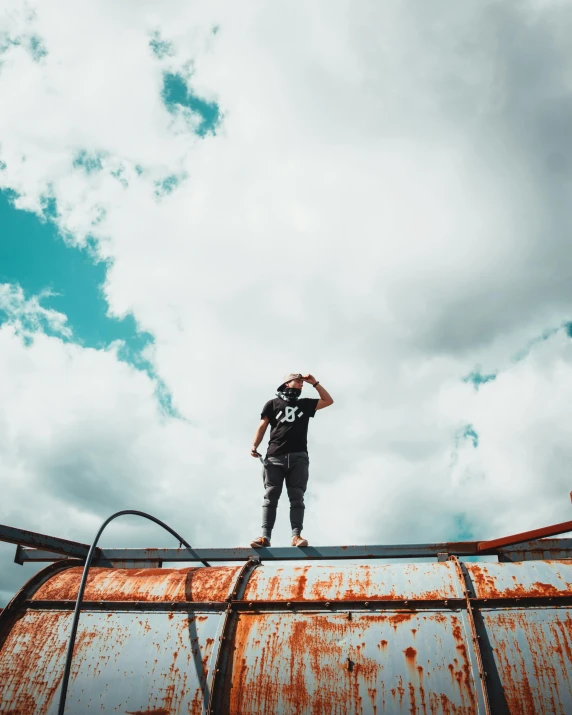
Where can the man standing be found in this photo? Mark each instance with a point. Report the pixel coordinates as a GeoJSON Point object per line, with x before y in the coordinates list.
{"type": "Point", "coordinates": [287, 454]}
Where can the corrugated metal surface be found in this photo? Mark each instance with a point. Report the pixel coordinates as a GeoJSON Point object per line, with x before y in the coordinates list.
{"type": "Point", "coordinates": [369, 639]}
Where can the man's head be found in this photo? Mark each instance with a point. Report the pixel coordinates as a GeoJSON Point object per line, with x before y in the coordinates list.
{"type": "Point", "coordinates": [291, 387]}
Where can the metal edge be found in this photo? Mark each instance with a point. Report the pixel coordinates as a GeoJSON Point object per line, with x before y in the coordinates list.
{"type": "Point", "coordinates": [553, 530]}
{"type": "Point", "coordinates": [287, 553]}
{"type": "Point", "coordinates": [372, 605]}
{"type": "Point", "coordinates": [474, 647]}
{"type": "Point", "coordinates": [18, 603]}
{"type": "Point", "coordinates": [221, 669]}
{"type": "Point", "coordinates": [14, 535]}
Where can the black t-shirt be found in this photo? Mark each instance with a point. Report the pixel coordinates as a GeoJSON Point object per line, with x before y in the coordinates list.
{"type": "Point", "coordinates": [289, 424]}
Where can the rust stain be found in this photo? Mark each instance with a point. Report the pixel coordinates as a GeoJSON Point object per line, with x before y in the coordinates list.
{"type": "Point", "coordinates": [396, 619]}
{"type": "Point", "coordinates": [32, 656]}
{"type": "Point", "coordinates": [278, 660]}
{"type": "Point", "coordinates": [410, 656]}
{"type": "Point", "coordinates": [27, 658]}
{"type": "Point", "coordinates": [361, 582]}
{"type": "Point", "coordinates": [153, 585]}
{"type": "Point", "coordinates": [160, 711]}
{"type": "Point", "coordinates": [534, 663]}
{"type": "Point", "coordinates": [489, 585]}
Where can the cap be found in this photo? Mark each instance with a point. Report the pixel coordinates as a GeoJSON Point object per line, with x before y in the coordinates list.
{"type": "Point", "coordinates": [287, 378]}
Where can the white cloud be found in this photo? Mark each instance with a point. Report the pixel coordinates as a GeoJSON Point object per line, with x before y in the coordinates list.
{"type": "Point", "coordinates": [27, 315]}
{"type": "Point", "coordinates": [386, 203]}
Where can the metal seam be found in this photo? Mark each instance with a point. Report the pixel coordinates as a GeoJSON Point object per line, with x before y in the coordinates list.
{"type": "Point", "coordinates": [464, 583]}
{"type": "Point", "coordinates": [240, 585]}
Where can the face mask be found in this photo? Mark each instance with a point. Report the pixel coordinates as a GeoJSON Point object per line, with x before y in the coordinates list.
{"type": "Point", "coordinates": [290, 394]}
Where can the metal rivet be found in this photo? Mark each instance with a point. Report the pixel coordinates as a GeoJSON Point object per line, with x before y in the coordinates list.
{"type": "Point", "coordinates": [446, 603]}
{"type": "Point", "coordinates": [327, 604]}
{"type": "Point", "coordinates": [288, 605]}
{"type": "Point", "coordinates": [250, 605]}
{"type": "Point", "coordinates": [366, 604]}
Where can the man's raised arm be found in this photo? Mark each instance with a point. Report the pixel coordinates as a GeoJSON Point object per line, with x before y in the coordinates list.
{"type": "Point", "coordinates": [325, 398]}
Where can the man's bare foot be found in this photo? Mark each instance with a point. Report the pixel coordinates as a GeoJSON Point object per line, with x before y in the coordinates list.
{"type": "Point", "coordinates": [260, 542]}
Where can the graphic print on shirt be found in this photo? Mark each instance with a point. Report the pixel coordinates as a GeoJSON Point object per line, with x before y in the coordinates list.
{"type": "Point", "coordinates": [290, 415]}
{"type": "Point", "coordinates": [288, 424]}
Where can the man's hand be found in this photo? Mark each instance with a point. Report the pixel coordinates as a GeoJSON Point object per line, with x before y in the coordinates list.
{"type": "Point", "coordinates": [260, 430]}
{"type": "Point", "coordinates": [309, 378]}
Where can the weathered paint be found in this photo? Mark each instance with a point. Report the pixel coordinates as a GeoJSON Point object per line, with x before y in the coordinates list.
{"type": "Point", "coordinates": [537, 579]}
{"type": "Point", "coordinates": [127, 663]}
{"type": "Point", "coordinates": [388, 582]}
{"type": "Point", "coordinates": [374, 663]}
{"type": "Point", "coordinates": [105, 584]}
{"type": "Point", "coordinates": [312, 639]}
{"type": "Point", "coordinates": [530, 656]}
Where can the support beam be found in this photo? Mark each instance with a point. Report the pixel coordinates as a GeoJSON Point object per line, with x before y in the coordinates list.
{"type": "Point", "coordinates": [12, 535]}
{"type": "Point", "coordinates": [494, 544]}
{"type": "Point", "coordinates": [288, 553]}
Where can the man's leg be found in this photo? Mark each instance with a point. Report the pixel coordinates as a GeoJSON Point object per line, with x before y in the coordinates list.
{"type": "Point", "coordinates": [296, 483]}
{"type": "Point", "coordinates": [274, 473]}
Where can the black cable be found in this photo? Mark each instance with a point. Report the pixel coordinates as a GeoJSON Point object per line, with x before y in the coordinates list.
{"type": "Point", "coordinates": [71, 642]}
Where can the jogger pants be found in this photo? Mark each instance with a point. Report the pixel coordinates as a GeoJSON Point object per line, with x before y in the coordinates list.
{"type": "Point", "coordinates": [291, 468]}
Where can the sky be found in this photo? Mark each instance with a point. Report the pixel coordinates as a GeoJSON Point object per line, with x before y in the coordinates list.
{"type": "Point", "coordinates": [197, 199]}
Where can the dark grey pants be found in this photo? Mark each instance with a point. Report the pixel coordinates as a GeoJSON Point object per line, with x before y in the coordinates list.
{"type": "Point", "coordinates": [290, 468]}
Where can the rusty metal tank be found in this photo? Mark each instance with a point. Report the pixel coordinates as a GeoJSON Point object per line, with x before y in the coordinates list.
{"type": "Point", "coordinates": [443, 637]}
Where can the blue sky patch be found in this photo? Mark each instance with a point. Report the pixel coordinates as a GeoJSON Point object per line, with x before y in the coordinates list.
{"type": "Point", "coordinates": [37, 48]}
{"type": "Point", "coordinates": [470, 433]}
{"type": "Point", "coordinates": [176, 94]}
{"type": "Point", "coordinates": [161, 48]}
{"type": "Point", "coordinates": [69, 280]}
{"type": "Point", "coordinates": [168, 184]}
{"type": "Point", "coordinates": [478, 378]}
{"type": "Point", "coordinates": [543, 337]}
{"type": "Point", "coordinates": [463, 530]}
{"type": "Point", "coordinates": [88, 162]}
{"type": "Point", "coordinates": [32, 43]}
{"type": "Point", "coordinates": [34, 256]}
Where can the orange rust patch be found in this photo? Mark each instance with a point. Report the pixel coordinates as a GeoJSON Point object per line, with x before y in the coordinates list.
{"type": "Point", "coordinates": [153, 585]}
{"type": "Point", "coordinates": [410, 655]}
{"type": "Point", "coordinates": [327, 583]}
{"type": "Point", "coordinates": [32, 646]}
{"type": "Point", "coordinates": [487, 586]}
{"type": "Point", "coordinates": [396, 619]}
